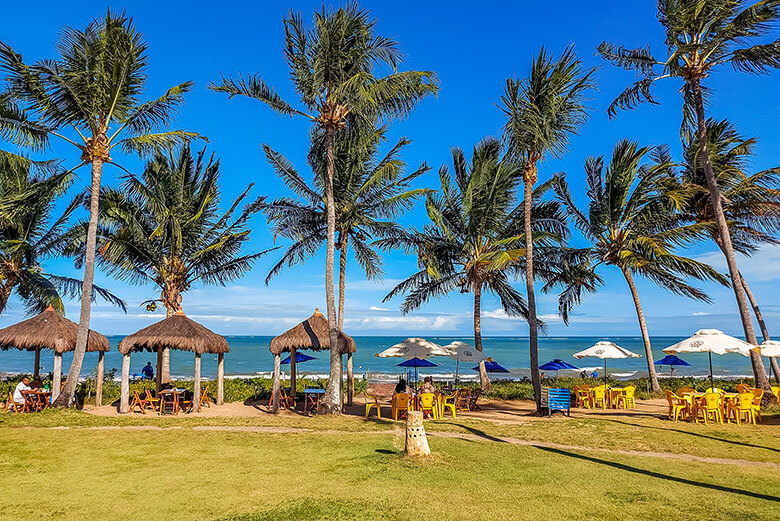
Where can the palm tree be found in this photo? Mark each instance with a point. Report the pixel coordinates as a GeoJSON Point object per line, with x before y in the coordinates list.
{"type": "Point", "coordinates": [334, 71]}
{"type": "Point", "coordinates": [542, 112]}
{"type": "Point", "coordinates": [30, 234]}
{"type": "Point", "coordinates": [93, 85]}
{"type": "Point", "coordinates": [631, 223]}
{"type": "Point", "coordinates": [702, 35]}
{"type": "Point", "coordinates": [165, 228]}
{"type": "Point", "coordinates": [475, 241]}
{"type": "Point", "coordinates": [752, 206]}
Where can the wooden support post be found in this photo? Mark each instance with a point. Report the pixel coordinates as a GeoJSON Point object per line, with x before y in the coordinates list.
{"type": "Point", "coordinates": [37, 368]}
{"type": "Point", "coordinates": [158, 376]}
{"type": "Point", "coordinates": [275, 389]}
{"type": "Point", "coordinates": [57, 379]}
{"type": "Point", "coordinates": [416, 440]}
{"type": "Point", "coordinates": [124, 389]}
{"type": "Point", "coordinates": [221, 379]}
{"type": "Point", "coordinates": [350, 380]}
{"type": "Point", "coordinates": [99, 382]}
{"type": "Point", "coordinates": [341, 380]}
{"type": "Point", "coordinates": [196, 391]}
{"type": "Point", "coordinates": [293, 375]}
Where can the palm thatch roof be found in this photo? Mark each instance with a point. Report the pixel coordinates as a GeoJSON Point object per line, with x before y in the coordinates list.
{"type": "Point", "coordinates": [175, 332]}
{"type": "Point", "coordinates": [48, 330]}
{"type": "Point", "coordinates": [311, 334]}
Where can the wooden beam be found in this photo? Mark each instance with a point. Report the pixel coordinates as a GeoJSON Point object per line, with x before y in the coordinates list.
{"type": "Point", "coordinates": [350, 380]}
{"type": "Point", "coordinates": [37, 368]}
{"type": "Point", "coordinates": [124, 390]}
{"type": "Point", "coordinates": [196, 392]}
{"type": "Point", "coordinates": [57, 379]}
{"type": "Point", "coordinates": [293, 375]}
{"type": "Point", "coordinates": [99, 382]}
{"type": "Point", "coordinates": [275, 389]}
{"type": "Point", "coordinates": [158, 376]}
{"type": "Point", "coordinates": [221, 379]}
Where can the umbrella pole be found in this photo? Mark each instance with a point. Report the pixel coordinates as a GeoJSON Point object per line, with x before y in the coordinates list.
{"type": "Point", "coordinates": [457, 366]}
{"type": "Point", "coordinates": [712, 385]}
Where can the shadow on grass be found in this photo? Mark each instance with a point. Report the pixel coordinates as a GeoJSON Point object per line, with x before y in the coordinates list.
{"type": "Point", "coordinates": [698, 435]}
{"type": "Point", "coordinates": [650, 473]}
{"type": "Point", "coordinates": [477, 432]}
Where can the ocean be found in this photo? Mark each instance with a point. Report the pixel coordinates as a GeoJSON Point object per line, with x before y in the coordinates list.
{"type": "Point", "coordinates": [249, 357]}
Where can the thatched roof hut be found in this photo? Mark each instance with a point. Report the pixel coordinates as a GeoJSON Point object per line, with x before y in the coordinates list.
{"type": "Point", "coordinates": [48, 330]}
{"type": "Point", "coordinates": [311, 334]}
{"type": "Point", "coordinates": [175, 332]}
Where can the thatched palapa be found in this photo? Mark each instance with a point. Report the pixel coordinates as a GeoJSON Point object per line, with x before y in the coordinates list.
{"type": "Point", "coordinates": [48, 330]}
{"type": "Point", "coordinates": [311, 334]}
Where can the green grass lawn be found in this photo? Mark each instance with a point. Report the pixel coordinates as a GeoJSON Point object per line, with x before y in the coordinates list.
{"type": "Point", "coordinates": [183, 473]}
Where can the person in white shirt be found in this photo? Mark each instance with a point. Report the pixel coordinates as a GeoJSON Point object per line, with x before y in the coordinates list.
{"type": "Point", "coordinates": [24, 385]}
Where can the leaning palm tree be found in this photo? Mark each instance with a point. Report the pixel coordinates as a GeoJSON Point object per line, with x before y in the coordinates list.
{"type": "Point", "coordinates": [543, 111]}
{"type": "Point", "coordinates": [30, 233]}
{"type": "Point", "coordinates": [475, 241]}
{"type": "Point", "coordinates": [631, 223]}
{"type": "Point", "coordinates": [334, 69]}
{"type": "Point", "coordinates": [165, 228]}
{"type": "Point", "coordinates": [752, 206]}
{"type": "Point", "coordinates": [702, 35]}
{"type": "Point", "coordinates": [94, 85]}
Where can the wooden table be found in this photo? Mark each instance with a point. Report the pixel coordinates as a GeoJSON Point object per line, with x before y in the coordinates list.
{"type": "Point", "coordinates": [312, 399]}
{"type": "Point", "coordinates": [170, 396]}
{"type": "Point", "coordinates": [36, 400]}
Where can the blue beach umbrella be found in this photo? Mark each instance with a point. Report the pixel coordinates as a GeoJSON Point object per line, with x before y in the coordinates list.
{"type": "Point", "coordinates": [416, 362]}
{"type": "Point", "coordinates": [492, 366]}
{"type": "Point", "coordinates": [671, 361]}
{"type": "Point", "coordinates": [556, 365]}
{"type": "Point", "coordinates": [299, 357]}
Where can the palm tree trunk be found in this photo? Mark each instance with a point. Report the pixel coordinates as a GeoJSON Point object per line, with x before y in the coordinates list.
{"type": "Point", "coordinates": [342, 288]}
{"type": "Point", "coordinates": [483, 376]}
{"type": "Point", "coordinates": [5, 294]}
{"type": "Point", "coordinates": [164, 358]}
{"type": "Point", "coordinates": [761, 324]}
{"type": "Point", "coordinates": [331, 401]}
{"type": "Point", "coordinates": [66, 396]}
{"type": "Point", "coordinates": [643, 327]}
{"type": "Point", "coordinates": [533, 329]}
{"type": "Point", "coordinates": [725, 236]}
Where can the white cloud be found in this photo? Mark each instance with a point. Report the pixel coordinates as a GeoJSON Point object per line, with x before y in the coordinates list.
{"type": "Point", "coordinates": [435, 322]}
{"type": "Point", "coordinates": [377, 308]}
{"type": "Point", "coordinates": [700, 314]}
{"type": "Point", "coordinates": [499, 314]}
{"type": "Point", "coordinates": [762, 266]}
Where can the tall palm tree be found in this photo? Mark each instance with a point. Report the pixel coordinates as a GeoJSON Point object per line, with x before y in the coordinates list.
{"type": "Point", "coordinates": [752, 202]}
{"type": "Point", "coordinates": [543, 111]}
{"type": "Point", "coordinates": [91, 90]}
{"type": "Point", "coordinates": [166, 228]}
{"type": "Point", "coordinates": [631, 223]}
{"type": "Point", "coordinates": [334, 69]}
{"type": "Point", "coordinates": [475, 240]}
{"type": "Point", "coordinates": [702, 35]}
{"type": "Point", "coordinates": [30, 233]}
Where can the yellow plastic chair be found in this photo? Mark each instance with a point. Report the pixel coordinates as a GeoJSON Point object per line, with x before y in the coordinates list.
{"type": "Point", "coordinates": [582, 395]}
{"type": "Point", "coordinates": [679, 407]}
{"type": "Point", "coordinates": [598, 394]}
{"type": "Point", "coordinates": [449, 400]}
{"type": "Point", "coordinates": [372, 401]}
{"type": "Point", "coordinates": [427, 403]}
{"type": "Point", "coordinates": [714, 390]}
{"type": "Point", "coordinates": [710, 407]}
{"type": "Point", "coordinates": [758, 394]}
{"type": "Point", "coordinates": [741, 405]}
{"type": "Point", "coordinates": [744, 388]}
{"type": "Point", "coordinates": [683, 390]}
{"type": "Point", "coordinates": [626, 398]}
{"type": "Point", "coordinates": [402, 402]}
{"type": "Point", "coordinates": [776, 392]}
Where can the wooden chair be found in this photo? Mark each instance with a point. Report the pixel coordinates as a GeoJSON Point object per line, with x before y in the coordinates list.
{"type": "Point", "coordinates": [462, 400]}
{"type": "Point", "coordinates": [11, 405]}
{"type": "Point", "coordinates": [475, 394]}
{"type": "Point", "coordinates": [183, 404]}
{"type": "Point", "coordinates": [139, 402]}
{"type": "Point", "coordinates": [30, 402]}
{"type": "Point", "coordinates": [154, 402]}
{"type": "Point", "coordinates": [284, 401]}
{"type": "Point", "coordinates": [204, 397]}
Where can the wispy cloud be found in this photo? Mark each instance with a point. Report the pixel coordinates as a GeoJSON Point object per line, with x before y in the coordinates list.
{"type": "Point", "coordinates": [377, 308]}
{"type": "Point", "coordinates": [760, 267]}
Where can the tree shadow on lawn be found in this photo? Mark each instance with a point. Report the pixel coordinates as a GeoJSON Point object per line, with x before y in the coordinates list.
{"type": "Point", "coordinates": [477, 432]}
{"type": "Point", "coordinates": [636, 470]}
{"type": "Point", "coordinates": [715, 438]}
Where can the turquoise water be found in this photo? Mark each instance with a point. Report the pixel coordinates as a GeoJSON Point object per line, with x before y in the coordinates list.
{"type": "Point", "coordinates": [249, 356]}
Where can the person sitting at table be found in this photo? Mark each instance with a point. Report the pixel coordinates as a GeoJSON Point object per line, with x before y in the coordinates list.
{"type": "Point", "coordinates": [401, 387]}
{"type": "Point", "coordinates": [24, 385]}
{"type": "Point", "coordinates": [37, 384]}
{"type": "Point", "coordinates": [427, 386]}
{"type": "Point", "coordinates": [148, 371]}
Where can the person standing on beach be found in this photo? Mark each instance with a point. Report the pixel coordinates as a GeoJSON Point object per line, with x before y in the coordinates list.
{"type": "Point", "coordinates": [148, 371]}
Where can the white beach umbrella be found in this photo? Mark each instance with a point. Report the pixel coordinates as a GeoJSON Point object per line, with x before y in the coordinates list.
{"type": "Point", "coordinates": [606, 350]}
{"type": "Point", "coordinates": [462, 352]}
{"type": "Point", "coordinates": [414, 347]}
{"type": "Point", "coordinates": [711, 341]}
{"type": "Point", "coordinates": [770, 349]}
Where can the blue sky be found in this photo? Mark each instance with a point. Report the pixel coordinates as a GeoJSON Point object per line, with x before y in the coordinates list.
{"type": "Point", "coordinates": [474, 48]}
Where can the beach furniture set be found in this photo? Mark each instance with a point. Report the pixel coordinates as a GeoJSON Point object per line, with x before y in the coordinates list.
{"type": "Point", "coordinates": [715, 405]}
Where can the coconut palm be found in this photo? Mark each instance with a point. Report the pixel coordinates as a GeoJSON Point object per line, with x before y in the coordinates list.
{"type": "Point", "coordinates": [165, 228]}
{"type": "Point", "coordinates": [543, 111]}
{"type": "Point", "coordinates": [30, 233]}
{"type": "Point", "coordinates": [91, 90]}
{"type": "Point", "coordinates": [702, 35]}
{"type": "Point", "coordinates": [631, 223]}
{"type": "Point", "coordinates": [475, 241]}
{"type": "Point", "coordinates": [334, 69]}
{"type": "Point", "coordinates": [752, 202]}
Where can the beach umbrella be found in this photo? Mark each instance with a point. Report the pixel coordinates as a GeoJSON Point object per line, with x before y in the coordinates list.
{"type": "Point", "coordinates": [299, 357]}
{"type": "Point", "coordinates": [711, 341]}
{"type": "Point", "coordinates": [462, 352]}
{"type": "Point", "coordinates": [671, 361]}
{"type": "Point", "coordinates": [606, 351]}
{"type": "Point", "coordinates": [414, 347]}
{"type": "Point", "coordinates": [416, 362]}
{"type": "Point", "coordinates": [770, 349]}
{"type": "Point", "coordinates": [492, 366]}
{"type": "Point", "coordinates": [556, 365]}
